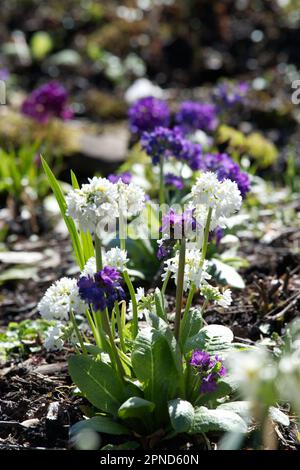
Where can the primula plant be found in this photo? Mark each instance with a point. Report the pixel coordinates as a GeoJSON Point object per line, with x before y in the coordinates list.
{"type": "Point", "coordinates": [167, 376]}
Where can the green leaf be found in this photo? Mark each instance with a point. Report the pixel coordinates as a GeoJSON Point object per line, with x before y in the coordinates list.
{"type": "Point", "coordinates": [228, 274]}
{"type": "Point", "coordinates": [207, 420]}
{"type": "Point", "coordinates": [193, 324]}
{"type": "Point", "coordinates": [63, 208]}
{"type": "Point", "coordinates": [102, 424]}
{"type": "Point", "coordinates": [157, 364]}
{"type": "Point", "coordinates": [159, 305]}
{"type": "Point", "coordinates": [212, 338]}
{"type": "Point", "coordinates": [99, 383]}
{"type": "Point", "coordinates": [85, 237]}
{"type": "Point", "coordinates": [181, 414]}
{"type": "Point", "coordinates": [135, 407]}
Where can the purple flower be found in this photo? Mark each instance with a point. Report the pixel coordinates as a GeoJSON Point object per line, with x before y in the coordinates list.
{"type": "Point", "coordinates": [210, 370]}
{"type": "Point", "coordinates": [174, 226]}
{"type": "Point", "coordinates": [148, 113]}
{"type": "Point", "coordinates": [216, 235]}
{"type": "Point", "coordinates": [200, 359]}
{"type": "Point", "coordinates": [124, 177]}
{"type": "Point", "coordinates": [102, 290]}
{"type": "Point", "coordinates": [228, 94]}
{"type": "Point", "coordinates": [192, 116]}
{"type": "Point", "coordinates": [4, 74]}
{"type": "Point", "coordinates": [49, 100]}
{"type": "Point", "coordinates": [225, 167]}
{"type": "Point", "coordinates": [164, 142]}
{"type": "Point", "coordinates": [173, 180]}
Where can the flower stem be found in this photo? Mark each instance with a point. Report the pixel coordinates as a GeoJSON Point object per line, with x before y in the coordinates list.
{"type": "Point", "coordinates": [203, 256]}
{"type": "Point", "coordinates": [165, 283]}
{"type": "Point", "coordinates": [77, 332]}
{"type": "Point", "coordinates": [134, 303]}
{"type": "Point", "coordinates": [114, 350]}
{"type": "Point", "coordinates": [98, 253]}
{"type": "Point", "coordinates": [120, 329]}
{"type": "Point", "coordinates": [179, 289]}
{"type": "Point", "coordinates": [161, 181]}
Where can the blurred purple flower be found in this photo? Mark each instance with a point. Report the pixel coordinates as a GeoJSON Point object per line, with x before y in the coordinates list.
{"type": "Point", "coordinates": [47, 101]}
{"type": "Point", "coordinates": [173, 180]}
{"type": "Point", "coordinates": [4, 74]}
{"type": "Point", "coordinates": [228, 94]}
{"type": "Point", "coordinates": [165, 143]}
{"type": "Point", "coordinates": [125, 177]}
{"type": "Point", "coordinates": [225, 167]}
{"type": "Point", "coordinates": [192, 116]}
{"type": "Point", "coordinates": [148, 113]}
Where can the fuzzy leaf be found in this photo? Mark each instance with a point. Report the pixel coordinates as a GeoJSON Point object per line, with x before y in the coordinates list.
{"type": "Point", "coordinates": [98, 382]}
{"type": "Point", "coordinates": [212, 338]}
{"type": "Point", "coordinates": [102, 424]}
{"type": "Point", "coordinates": [207, 420]}
{"type": "Point", "coordinates": [181, 414]}
{"type": "Point", "coordinates": [135, 407]}
{"type": "Point", "coordinates": [157, 364]}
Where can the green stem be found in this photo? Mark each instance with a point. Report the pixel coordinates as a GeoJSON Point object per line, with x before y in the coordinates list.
{"type": "Point", "coordinates": [114, 350]}
{"type": "Point", "coordinates": [179, 288]}
{"type": "Point", "coordinates": [135, 319]}
{"type": "Point", "coordinates": [98, 253]}
{"type": "Point", "coordinates": [122, 233]}
{"type": "Point", "coordinates": [203, 256]}
{"type": "Point", "coordinates": [93, 328]}
{"type": "Point", "coordinates": [120, 329]}
{"type": "Point", "coordinates": [165, 283]}
{"type": "Point", "coordinates": [77, 332]}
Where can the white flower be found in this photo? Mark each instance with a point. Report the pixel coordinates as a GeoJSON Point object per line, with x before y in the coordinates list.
{"type": "Point", "coordinates": [200, 137]}
{"type": "Point", "coordinates": [53, 340]}
{"type": "Point", "coordinates": [250, 369]}
{"type": "Point", "coordinates": [213, 294]}
{"type": "Point", "coordinates": [142, 88]}
{"type": "Point", "coordinates": [193, 273]}
{"type": "Point", "coordinates": [115, 257]}
{"type": "Point", "coordinates": [140, 293]}
{"type": "Point", "coordinates": [222, 197]}
{"type": "Point", "coordinates": [95, 202]}
{"type": "Point", "coordinates": [60, 299]}
{"type": "Point", "coordinates": [131, 199]}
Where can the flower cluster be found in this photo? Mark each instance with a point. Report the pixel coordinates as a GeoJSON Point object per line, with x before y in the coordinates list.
{"type": "Point", "coordinates": [195, 271]}
{"type": "Point", "coordinates": [115, 258]}
{"type": "Point", "coordinates": [101, 290]}
{"type": "Point", "coordinates": [228, 93]}
{"type": "Point", "coordinates": [210, 369]}
{"type": "Point", "coordinates": [100, 200]}
{"type": "Point", "coordinates": [211, 293]}
{"type": "Point", "coordinates": [148, 113]}
{"type": "Point", "coordinates": [225, 167]}
{"type": "Point", "coordinates": [125, 177]}
{"type": "Point", "coordinates": [95, 201]}
{"type": "Point", "coordinates": [192, 116]}
{"type": "Point", "coordinates": [49, 100]}
{"type": "Point", "coordinates": [164, 143]}
{"type": "Point", "coordinates": [59, 299]}
{"type": "Point", "coordinates": [222, 197]}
